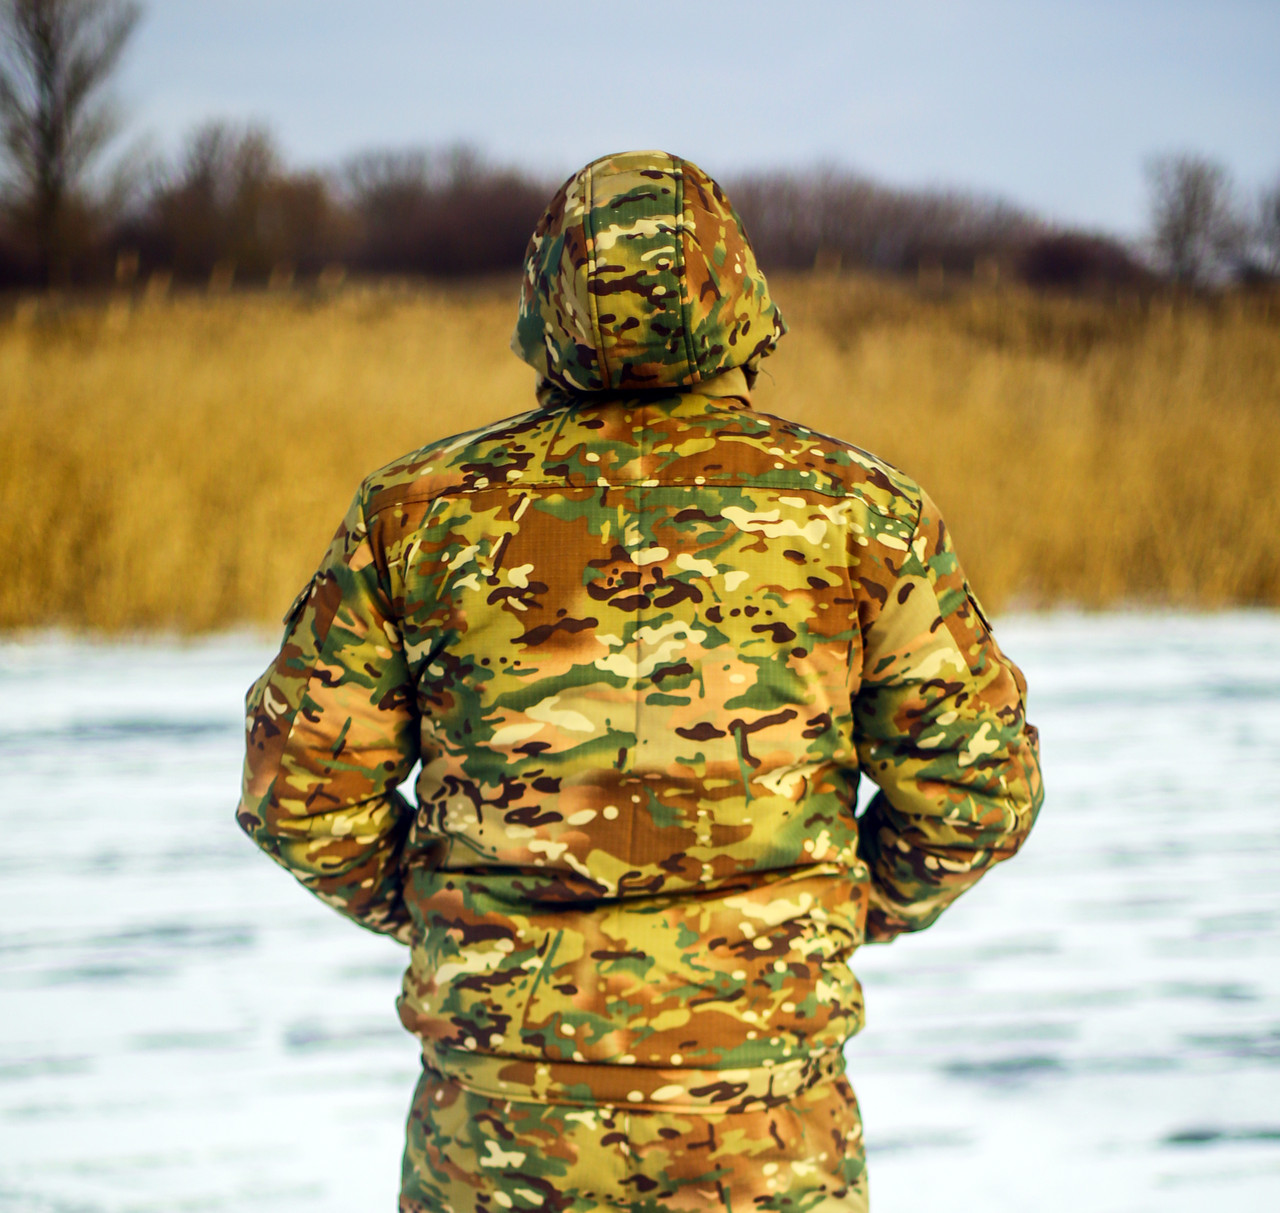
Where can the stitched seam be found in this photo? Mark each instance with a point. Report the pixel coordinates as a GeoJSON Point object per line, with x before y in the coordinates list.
{"type": "Point", "coordinates": [686, 305]}
{"type": "Point", "coordinates": [519, 486]}
{"type": "Point", "coordinates": [592, 305]}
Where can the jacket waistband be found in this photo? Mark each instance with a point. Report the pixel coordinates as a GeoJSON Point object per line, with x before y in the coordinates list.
{"type": "Point", "coordinates": [590, 1084]}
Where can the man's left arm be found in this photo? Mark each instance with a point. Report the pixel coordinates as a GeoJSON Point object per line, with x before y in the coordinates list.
{"type": "Point", "coordinates": [331, 729]}
{"type": "Point", "coordinates": [942, 729]}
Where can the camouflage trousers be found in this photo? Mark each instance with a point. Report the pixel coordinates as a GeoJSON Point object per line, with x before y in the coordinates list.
{"type": "Point", "coordinates": [472, 1153]}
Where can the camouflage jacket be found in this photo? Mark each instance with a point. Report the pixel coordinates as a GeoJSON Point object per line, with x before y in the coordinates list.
{"type": "Point", "coordinates": [642, 640]}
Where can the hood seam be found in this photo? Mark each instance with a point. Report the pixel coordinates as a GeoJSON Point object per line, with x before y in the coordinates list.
{"type": "Point", "coordinates": [686, 301]}
{"type": "Point", "coordinates": [593, 308]}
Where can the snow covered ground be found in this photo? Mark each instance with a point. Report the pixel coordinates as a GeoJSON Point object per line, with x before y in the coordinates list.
{"type": "Point", "coordinates": [1096, 1027]}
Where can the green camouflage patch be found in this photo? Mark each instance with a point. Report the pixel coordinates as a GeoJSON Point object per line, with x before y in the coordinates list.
{"type": "Point", "coordinates": [473, 1154]}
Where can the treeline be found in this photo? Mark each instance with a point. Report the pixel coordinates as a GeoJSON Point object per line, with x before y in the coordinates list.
{"type": "Point", "coordinates": [831, 220]}
{"type": "Point", "coordinates": [229, 210]}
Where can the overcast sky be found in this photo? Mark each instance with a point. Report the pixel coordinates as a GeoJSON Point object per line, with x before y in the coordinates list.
{"type": "Point", "coordinates": [1054, 105]}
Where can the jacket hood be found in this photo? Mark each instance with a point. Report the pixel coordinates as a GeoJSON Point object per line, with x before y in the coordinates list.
{"type": "Point", "coordinates": [640, 276]}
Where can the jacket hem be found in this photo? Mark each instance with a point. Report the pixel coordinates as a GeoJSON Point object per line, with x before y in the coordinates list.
{"type": "Point", "coordinates": [653, 1088]}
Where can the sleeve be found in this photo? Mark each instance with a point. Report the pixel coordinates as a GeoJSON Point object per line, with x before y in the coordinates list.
{"type": "Point", "coordinates": [331, 729]}
{"type": "Point", "coordinates": [941, 728]}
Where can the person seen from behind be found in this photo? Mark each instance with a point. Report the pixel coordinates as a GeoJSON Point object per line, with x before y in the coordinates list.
{"type": "Point", "coordinates": [644, 641]}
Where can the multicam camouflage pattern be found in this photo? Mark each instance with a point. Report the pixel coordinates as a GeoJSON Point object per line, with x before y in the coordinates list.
{"type": "Point", "coordinates": [467, 1151]}
{"type": "Point", "coordinates": [643, 646]}
{"type": "Point", "coordinates": [640, 276]}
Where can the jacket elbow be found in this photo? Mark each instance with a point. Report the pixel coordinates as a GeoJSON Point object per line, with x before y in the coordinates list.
{"type": "Point", "coordinates": [1023, 809]}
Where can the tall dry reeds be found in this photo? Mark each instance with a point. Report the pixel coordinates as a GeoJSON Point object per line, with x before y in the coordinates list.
{"type": "Point", "coordinates": [181, 464]}
{"type": "Point", "coordinates": [1083, 452]}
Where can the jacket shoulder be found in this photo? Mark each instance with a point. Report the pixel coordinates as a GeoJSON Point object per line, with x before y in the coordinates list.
{"type": "Point", "coordinates": [843, 469]}
{"type": "Point", "coordinates": [471, 460]}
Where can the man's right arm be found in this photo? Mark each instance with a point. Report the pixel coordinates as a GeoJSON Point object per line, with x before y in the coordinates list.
{"type": "Point", "coordinates": [941, 728]}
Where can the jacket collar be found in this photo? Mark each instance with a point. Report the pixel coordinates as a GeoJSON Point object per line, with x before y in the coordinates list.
{"type": "Point", "coordinates": [728, 390]}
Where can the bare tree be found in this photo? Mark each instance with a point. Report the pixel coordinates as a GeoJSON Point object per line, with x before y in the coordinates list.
{"type": "Point", "coordinates": [829, 214]}
{"type": "Point", "coordinates": [1194, 226]}
{"type": "Point", "coordinates": [1267, 229]}
{"type": "Point", "coordinates": [214, 209]}
{"type": "Point", "coordinates": [229, 204]}
{"type": "Point", "coordinates": [56, 56]}
{"type": "Point", "coordinates": [447, 212]}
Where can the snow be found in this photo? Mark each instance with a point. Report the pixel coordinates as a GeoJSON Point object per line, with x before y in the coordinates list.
{"type": "Point", "coordinates": [1096, 1026]}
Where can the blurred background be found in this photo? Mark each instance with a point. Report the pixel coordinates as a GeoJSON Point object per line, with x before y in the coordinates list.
{"type": "Point", "coordinates": [250, 251]}
{"type": "Point", "coordinates": [1030, 253]}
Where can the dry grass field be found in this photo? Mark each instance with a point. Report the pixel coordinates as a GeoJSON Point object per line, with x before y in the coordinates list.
{"type": "Point", "coordinates": [180, 464]}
